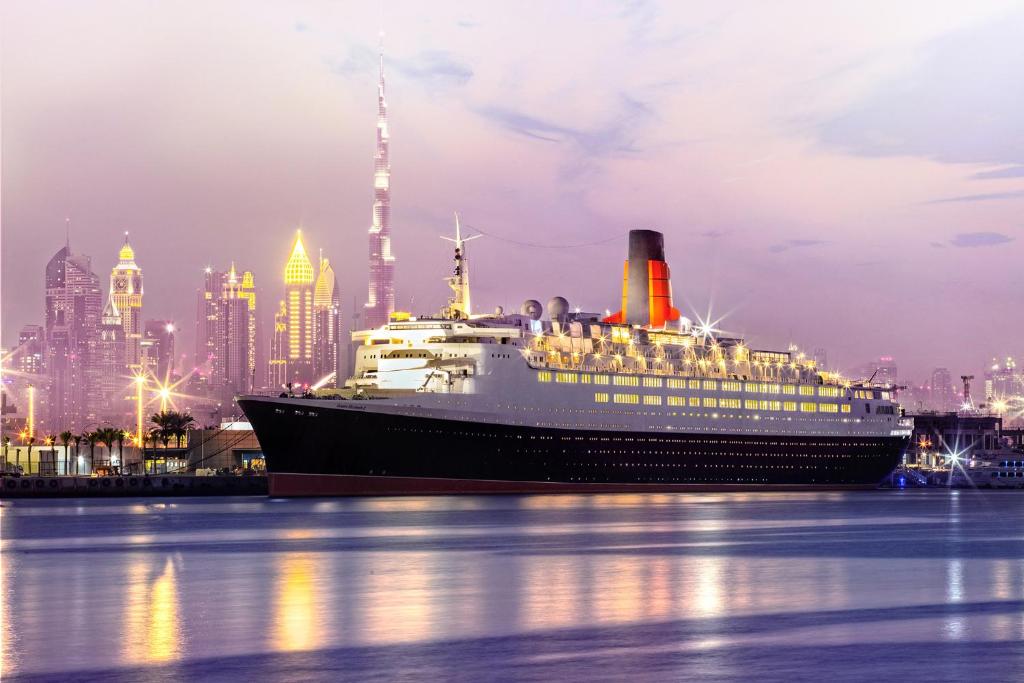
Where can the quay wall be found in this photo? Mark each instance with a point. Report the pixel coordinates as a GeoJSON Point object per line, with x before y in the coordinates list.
{"type": "Point", "coordinates": [131, 485]}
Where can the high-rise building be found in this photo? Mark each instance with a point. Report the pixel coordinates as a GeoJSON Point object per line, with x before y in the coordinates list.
{"type": "Point", "coordinates": [256, 367]}
{"type": "Point", "coordinates": [230, 373]}
{"type": "Point", "coordinates": [126, 291]}
{"type": "Point", "coordinates": [327, 345]}
{"type": "Point", "coordinates": [226, 330]}
{"type": "Point", "coordinates": [298, 294]}
{"type": "Point", "coordinates": [1003, 381]}
{"type": "Point", "coordinates": [277, 370]}
{"type": "Point", "coordinates": [74, 302]}
{"type": "Point", "coordinates": [158, 348]}
{"type": "Point", "coordinates": [30, 354]}
{"type": "Point", "coordinates": [381, 299]}
{"type": "Point", "coordinates": [112, 379]}
{"type": "Point", "coordinates": [943, 397]}
{"type": "Point", "coordinates": [206, 327]}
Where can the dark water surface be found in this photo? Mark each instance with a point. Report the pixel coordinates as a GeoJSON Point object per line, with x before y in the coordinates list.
{"type": "Point", "coordinates": [916, 585]}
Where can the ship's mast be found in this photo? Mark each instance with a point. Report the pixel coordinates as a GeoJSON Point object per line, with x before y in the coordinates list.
{"type": "Point", "coordinates": [459, 307]}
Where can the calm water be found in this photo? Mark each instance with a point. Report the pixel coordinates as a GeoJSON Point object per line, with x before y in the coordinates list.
{"type": "Point", "coordinates": [918, 585]}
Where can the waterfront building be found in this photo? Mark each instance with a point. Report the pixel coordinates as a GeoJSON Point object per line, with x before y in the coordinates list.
{"type": "Point", "coordinates": [277, 370]}
{"type": "Point", "coordinates": [73, 306]}
{"type": "Point", "coordinates": [158, 348]}
{"type": "Point", "coordinates": [381, 297]}
{"type": "Point", "coordinates": [126, 292]}
{"type": "Point", "coordinates": [298, 289]}
{"type": "Point", "coordinates": [938, 437]}
{"type": "Point", "coordinates": [327, 353]}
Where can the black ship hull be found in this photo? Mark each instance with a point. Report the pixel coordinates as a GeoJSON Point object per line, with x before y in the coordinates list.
{"type": "Point", "coordinates": [327, 451]}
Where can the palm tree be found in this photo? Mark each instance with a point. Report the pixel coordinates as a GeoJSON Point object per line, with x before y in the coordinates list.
{"type": "Point", "coordinates": [107, 436]}
{"type": "Point", "coordinates": [119, 438]}
{"type": "Point", "coordinates": [77, 438]}
{"type": "Point", "coordinates": [181, 422]}
{"type": "Point", "coordinates": [91, 438]}
{"type": "Point", "coordinates": [31, 440]}
{"type": "Point", "coordinates": [65, 438]}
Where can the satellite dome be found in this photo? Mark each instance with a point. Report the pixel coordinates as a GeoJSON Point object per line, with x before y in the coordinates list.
{"type": "Point", "coordinates": [499, 311]}
{"type": "Point", "coordinates": [558, 308]}
{"type": "Point", "coordinates": [532, 308]}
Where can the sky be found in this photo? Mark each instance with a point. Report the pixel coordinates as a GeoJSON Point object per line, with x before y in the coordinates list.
{"type": "Point", "coordinates": [847, 176]}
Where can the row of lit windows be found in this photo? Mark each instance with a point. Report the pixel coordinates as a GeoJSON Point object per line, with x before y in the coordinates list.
{"type": "Point", "coordinates": [706, 384]}
{"type": "Point", "coordinates": [734, 403]}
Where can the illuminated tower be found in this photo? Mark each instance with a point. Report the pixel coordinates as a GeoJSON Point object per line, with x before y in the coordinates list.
{"type": "Point", "coordinates": [381, 302]}
{"type": "Point", "coordinates": [247, 291]}
{"type": "Point", "coordinates": [111, 378]}
{"type": "Point", "coordinates": [298, 294]}
{"type": "Point", "coordinates": [277, 369]}
{"type": "Point", "coordinates": [230, 374]}
{"type": "Point", "coordinates": [74, 303]}
{"type": "Point", "coordinates": [327, 315]}
{"type": "Point", "coordinates": [126, 293]}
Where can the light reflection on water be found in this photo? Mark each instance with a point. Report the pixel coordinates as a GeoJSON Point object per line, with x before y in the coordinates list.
{"type": "Point", "coordinates": [727, 586]}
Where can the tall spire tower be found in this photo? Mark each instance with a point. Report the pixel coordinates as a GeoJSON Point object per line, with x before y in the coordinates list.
{"type": "Point", "coordinates": [381, 299]}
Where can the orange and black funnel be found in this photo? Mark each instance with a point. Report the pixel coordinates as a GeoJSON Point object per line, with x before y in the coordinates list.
{"type": "Point", "coordinates": [646, 283]}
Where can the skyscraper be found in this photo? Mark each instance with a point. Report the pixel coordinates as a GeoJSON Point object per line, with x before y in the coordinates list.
{"type": "Point", "coordinates": [226, 333]}
{"type": "Point", "coordinates": [381, 302]}
{"type": "Point", "coordinates": [298, 289]}
{"type": "Point", "coordinates": [31, 350]}
{"type": "Point", "coordinates": [158, 348]}
{"type": "Point", "coordinates": [74, 302]}
{"type": "Point", "coordinates": [277, 369]}
{"type": "Point", "coordinates": [111, 376]}
{"type": "Point", "coordinates": [126, 292]}
{"type": "Point", "coordinates": [327, 356]}
{"type": "Point", "coordinates": [254, 362]}
{"type": "Point", "coordinates": [230, 373]}
{"type": "Point", "coordinates": [942, 394]}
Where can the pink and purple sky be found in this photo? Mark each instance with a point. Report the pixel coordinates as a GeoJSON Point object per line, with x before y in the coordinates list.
{"type": "Point", "coordinates": [841, 175]}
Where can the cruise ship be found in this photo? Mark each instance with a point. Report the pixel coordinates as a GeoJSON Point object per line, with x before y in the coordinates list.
{"type": "Point", "coordinates": [564, 401]}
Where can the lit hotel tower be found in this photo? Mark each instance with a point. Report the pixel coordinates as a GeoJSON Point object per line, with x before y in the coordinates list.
{"type": "Point", "coordinates": [381, 303]}
{"type": "Point", "coordinates": [126, 295]}
{"type": "Point", "coordinates": [298, 295]}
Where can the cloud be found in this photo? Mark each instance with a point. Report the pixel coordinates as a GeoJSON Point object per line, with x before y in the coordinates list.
{"type": "Point", "coordinates": [988, 196]}
{"type": "Point", "coordinates": [1007, 172]}
{"type": "Point", "coordinates": [613, 138]}
{"type": "Point", "coordinates": [432, 68]}
{"type": "Point", "coordinates": [795, 244]}
{"type": "Point", "coordinates": [961, 104]}
{"type": "Point", "coordinates": [979, 239]}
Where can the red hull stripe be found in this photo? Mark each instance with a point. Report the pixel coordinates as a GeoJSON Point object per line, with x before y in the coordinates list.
{"type": "Point", "coordinates": [286, 485]}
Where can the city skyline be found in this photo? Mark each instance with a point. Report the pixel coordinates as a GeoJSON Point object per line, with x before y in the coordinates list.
{"type": "Point", "coordinates": [814, 218]}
